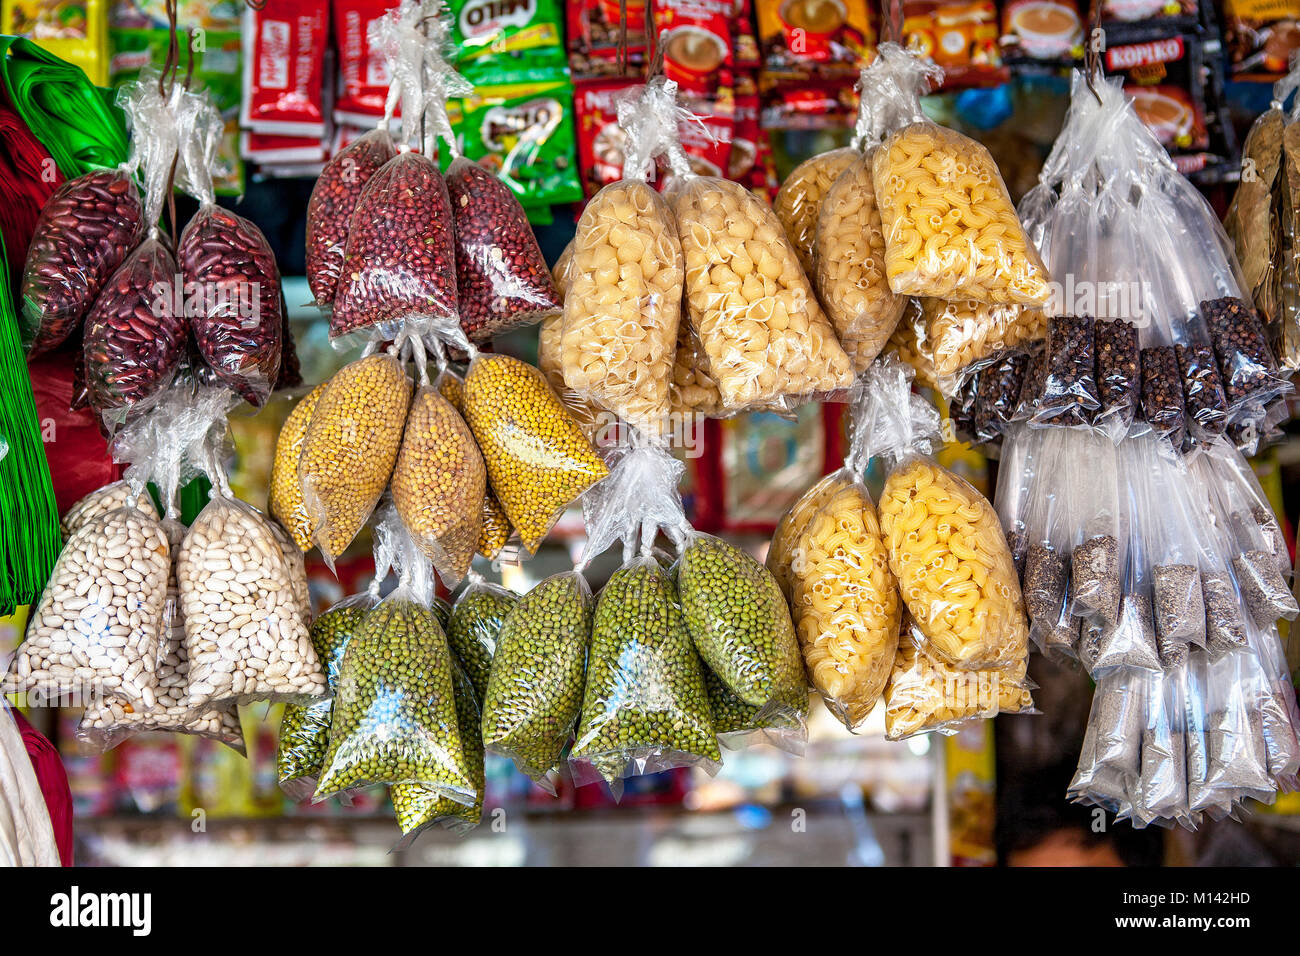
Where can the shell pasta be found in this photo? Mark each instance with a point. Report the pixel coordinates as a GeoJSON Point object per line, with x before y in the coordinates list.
{"type": "Point", "coordinates": [951, 230]}
{"type": "Point", "coordinates": [954, 570]}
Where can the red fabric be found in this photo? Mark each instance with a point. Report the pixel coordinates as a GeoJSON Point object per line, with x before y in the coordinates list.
{"type": "Point", "coordinates": [74, 447]}
{"type": "Point", "coordinates": [28, 177]}
{"type": "Point", "coordinates": [53, 780]}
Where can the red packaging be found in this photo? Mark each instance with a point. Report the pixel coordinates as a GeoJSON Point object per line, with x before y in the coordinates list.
{"type": "Point", "coordinates": [962, 36]}
{"type": "Point", "coordinates": [1163, 78]}
{"type": "Point", "coordinates": [600, 139]}
{"type": "Point", "coordinates": [74, 446]}
{"type": "Point", "coordinates": [707, 143]}
{"type": "Point", "coordinates": [696, 39]}
{"type": "Point", "coordinates": [744, 139]}
{"type": "Point", "coordinates": [272, 148]}
{"type": "Point", "coordinates": [284, 68]}
{"type": "Point", "coordinates": [363, 74]}
{"type": "Point", "coordinates": [594, 35]}
{"type": "Point", "coordinates": [744, 41]}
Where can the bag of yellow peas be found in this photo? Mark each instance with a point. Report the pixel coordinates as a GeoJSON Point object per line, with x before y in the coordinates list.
{"type": "Point", "coordinates": [951, 231]}
{"type": "Point", "coordinates": [925, 694]}
{"type": "Point", "coordinates": [946, 546]}
{"type": "Point", "coordinates": [765, 337]}
{"type": "Point", "coordinates": [496, 526]}
{"type": "Point", "coordinates": [622, 304]}
{"type": "Point", "coordinates": [800, 198]}
{"type": "Point", "coordinates": [830, 558]}
{"type": "Point", "coordinates": [538, 460]}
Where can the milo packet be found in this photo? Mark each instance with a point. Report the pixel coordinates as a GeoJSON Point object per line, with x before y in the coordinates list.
{"type": "Point", "coordinates": [507, 34]}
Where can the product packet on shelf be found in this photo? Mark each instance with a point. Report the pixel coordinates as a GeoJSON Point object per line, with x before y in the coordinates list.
{"type": "Point", "coordinates": [831, 559]}
{"type": "Point", "coordinates": [946, 548]}
{"type": "Point", "coordinates": [284, 68]}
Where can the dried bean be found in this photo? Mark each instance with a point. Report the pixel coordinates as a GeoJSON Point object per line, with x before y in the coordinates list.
{"type": "Point", "coordinates": [134, 338]}
{"type": "Point", "coordinates": [1162, 393]}
{"type": "Point", "coordinates": [537, 458]}
{"type": "Point", "coordinates": [333, 200]}
{"type": "Point", "coordinates": [285, 493]}
{"type": "Point", "coordinates": [101, 502]}
{"type": "Point", "coordinates": [476, 621]}
{"type": "Point", "coordinates": [1118, 373]}
{"type": "Point", "coordinates": [84, 232]}
{"type": "Point", "coordinates": [783, 722]}
{"type": "Point", "coordinates": [1240, 346]}
{"type": "Point", "coordinates": [502, 280]}
{"type": "Point", "coordinates": [438, 485]}
{"type": "Point", "coordinates": [1202, 389]}
{"type": "Point", "coordinates": [350, 448]}
{"type": "Point", "coordinates": [238, 327]}
{"type": "Point", "coordinates": [400, 261]}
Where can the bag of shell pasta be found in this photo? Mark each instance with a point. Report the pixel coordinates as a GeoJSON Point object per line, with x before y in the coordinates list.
{"type": "Point", "coordinates": [799, 200]}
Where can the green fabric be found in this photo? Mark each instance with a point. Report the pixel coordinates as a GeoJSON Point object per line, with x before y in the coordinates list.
{"type": "Point", "coordinates": [29, 516]}
{"type": "Point", "coordinates": [74, 119]}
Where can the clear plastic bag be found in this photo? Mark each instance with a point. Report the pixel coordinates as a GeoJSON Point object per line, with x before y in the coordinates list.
{"type": "Point", "coordinates": [96, 630]}
{"type": "Point", "coordinates": [534, 690]}
{"type": "Point", "coordinates": [245, 633]}
{"type": "Point", "coordinates": [645, 706]}
{"type": "Point", "coordinates": [798, 203]}
{"type": "Point", "coordinates": [692, 390]}
{"type": "Point", "coordinates": [502, 280]}
{"type": "Point", "coordinates": [350, 448]}
{"type": "Point", "coordinates": [946, 547]}
{"type": "Point", "coordinates": [964, 335]}
{"type": "Point", "coordinates": [1069, 395]}
{"type": "Point", "coordinates": [438, 484]}
{"type": "Point", "coordinates": [910, 342]}
{"type": "Point", "coordinates": [1119, 374]}
{"type": "Point", "coordinates": [284, 493]}
{"type": "Point", "coordinates": [1174, 554]}
{"type": "Point", "coordinates": [591, 418]}
{"type": "Point", "coordinates": [790, 528]}
{"type": "Point", "coordinates": [305, 729]}
{"type": "Point", "coordinates": [1048, 558]}
{"type": "Point", "coordinates": [1236, 753]}
{"type": "Point", "coordinates": [101, 501]}
{"type": "Point", "coordinates": [997, 394]}
{"type": "Point", "coordinates": [926, 694]}
{"type": "Point", "coordinates": [538, 460]}
{"type": "Point", "coordinates": [1096, 564]}
{"type": "Point", "coordinates": [1163, 405]}
{"type": "Point", "coordinates": [84, 232]}
{"type": "Point", "coordinates": [765, 335]}
{"type": "Point", "coordinates": [781, 723]}
{"type": "Point", "coordinates": [333, 200]}
{"type": "Point", "coordinates": [1110, 761]}
{"type": "Point", "coordinates": [476, 621]}
{"type": "Point", "coordinates": [738, 619]}
{"type": "Point", "coordinates": [1161, 790]}
{"type": "Point", "coordinates": [951, 230]}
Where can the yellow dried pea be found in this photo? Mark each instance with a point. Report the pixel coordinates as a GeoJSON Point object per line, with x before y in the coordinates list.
{"type": "Point", "coordinates": [351, 446]}
{"type": "Point", "coordinates": [750, 303]}
{"type": "Point", "coordinates": [439, 483]}
{"type": "Point", "coordinates": [285, 496]}
{"type": "Point", "coordinates": [623, 304]}
{"type": "Point", "coordinates": [800, 196]}
{"type": "Point", "coordinates": [951, 230]}
{"type": "Point", "coordinates": [537, 458]}
{"type": "Point", "coordinates": [954, 570]}
{"type": "Point", "coordinates": [849, 251]}
{"type": "Point", "coordinates": [496, 526]}
{"type": "Point", "coordinates": [963, 332]}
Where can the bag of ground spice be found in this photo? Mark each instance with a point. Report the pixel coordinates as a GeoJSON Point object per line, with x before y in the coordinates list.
{"type": "Point", "coordinates": [1161, 790]}
{"type": "Point", "coordinates": [1236, 752]}
{"type": "Point", "coordinates": [1018, 491]}
{"type": "Point", "coordinates": [1110, 760]}
{"type": "Point", "coordinates": [1175, 556]}
{"type": "Point", "coordinates": [1096, 565]}
{"type": "Point", "coordinates": [1048, 558]}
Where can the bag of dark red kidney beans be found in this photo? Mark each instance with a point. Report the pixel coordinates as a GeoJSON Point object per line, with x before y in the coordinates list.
{"type": "Point", "coordinates": [84, 232]}
{"type": "Point", "coordinates": [333, 200]}
{"type": "Point", "coordinates": [231, 282]}
{"type": "Point", "coordinates": [502, 279]}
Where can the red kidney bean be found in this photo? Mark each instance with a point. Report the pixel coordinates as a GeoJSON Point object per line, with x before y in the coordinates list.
{"type": "Point", "coordinates": [333, 200]}
{"type": "Point", "coordinates": [238, 325]}
{"type": "Point", "coordinates": [83, 234]}
{"type": "Point", "coordinates": [128, 359]}
{"type": "Point", "coordinates": [502, 278]}
{"type": "Point", "coordinates": [400, 260]}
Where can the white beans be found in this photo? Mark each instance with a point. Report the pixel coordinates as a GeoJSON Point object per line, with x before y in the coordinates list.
{"type": "Point", "coordinates": [246, 640]}
{"type": "Point", "coordinates": [92, 632]}
{"type": "Point", "coordinates": [102, 501]}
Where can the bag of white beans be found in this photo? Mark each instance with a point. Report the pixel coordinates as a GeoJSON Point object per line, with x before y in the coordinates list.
{"type": "Point", "coordinates": [110, 497]}
{"type": "Point", "coordinates": [246, 633]}
{"type": "Point", "coordinates": [96, 629]}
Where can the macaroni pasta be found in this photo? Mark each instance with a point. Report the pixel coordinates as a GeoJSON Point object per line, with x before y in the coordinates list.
{"type": "Point", "coordinates": [800, 197]}
{"type": "Point", "coordinates": [964, 332]}
{"type": "Point", "coordinates": [791, 527]}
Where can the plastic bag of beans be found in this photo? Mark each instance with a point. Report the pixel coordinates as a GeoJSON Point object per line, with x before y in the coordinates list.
{"type": "Point", "coordinates": [496, 526]}
{"type": "Point", "coordinates": [246, 634]}
{"type": "Point", "coordinates": [284, 495]}
{"type": "Point", "coordinates": [927, 694]}
{"type": "Point", "coordinates": [305, 729]}
{"type": "Point", "coordinates": [476, 619]}
{"type": "Point", "coordinates": [101, 501]}
{"type": "Point", "coordinates": [502, 280]}
{"type": "Point", "coordinates": [645, 705]}
{"type": "Point", "coordinates": [799, 201]}
{"type": "Point", "coordinates": [84, 232]}
{"type": "Point", "coordinates": [97, 627]}
{"type": "Point", "coordinates": [394, 718]}
{"type": "Point", "coordinates": [738, 619]}
{"type": "Point", "coordinates": [333, 200]}
{"type": "Point", "coordinates": [538, 460]}
{"type": "Point", "coordinates": [350, 448]}
{"type": "Point", "coordinates": [951, 230]}
{"type": "Point", "coordinates": [438, 484]}
{"type": "Point", "coordinates": [781, 722]}
{"type": "Point", "coordinates": [623, 300]}
{"type": "Point", "coordinates": [114, 719]}
{"type": "Point", "coordinates": [843, 596]}
{"type": "Point", "coordinates": [534, 690]}
{"type": "Point", "coordinates": [765, 335]}
{"type": "Point", "coordinates": [946, 548]}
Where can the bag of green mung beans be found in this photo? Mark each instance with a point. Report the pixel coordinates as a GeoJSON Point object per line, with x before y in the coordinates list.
{"type": "Point", "coordinates": [476, 619]}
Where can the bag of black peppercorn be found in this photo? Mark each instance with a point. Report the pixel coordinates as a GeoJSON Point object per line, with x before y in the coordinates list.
{"type": "Point", "coordinates": [84, 232]}
{"type": "Point", "coordinates": [1069, 395]}
{"type": "Point", "coordinates": [502, 279]}
{"type": "Point", "coordinates": [534, 690]}
{"type": "Point", "coordinates": [333, 200]}
{"type": "Point", "coordinates": [1163, 406]}
{"type": "Point", "coordinates": [1119, 378]}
